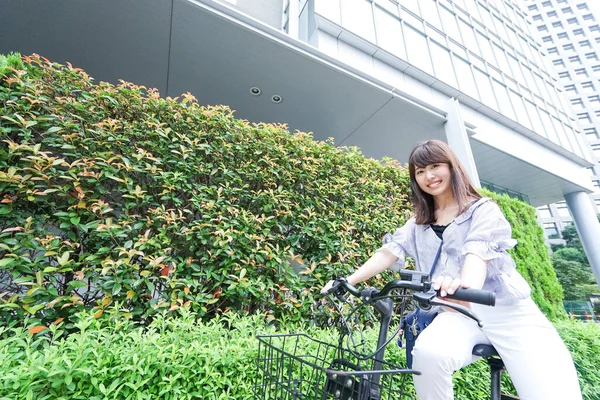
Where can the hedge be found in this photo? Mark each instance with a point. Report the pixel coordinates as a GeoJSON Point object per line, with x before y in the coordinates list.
{"type": "Point", "coordinates": [114, 194]}
{"type": "Point", "coordinates": [177, 357]}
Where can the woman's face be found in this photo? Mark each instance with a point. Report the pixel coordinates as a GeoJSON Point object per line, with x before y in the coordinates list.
{"type": "Point", "coordinates": [434, 179]}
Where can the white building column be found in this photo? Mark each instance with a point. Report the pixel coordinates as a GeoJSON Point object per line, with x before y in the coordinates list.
{"type": "Point", "coordinates": [458, 139]}
{"type": "Point", "coordinates": [588, 228]}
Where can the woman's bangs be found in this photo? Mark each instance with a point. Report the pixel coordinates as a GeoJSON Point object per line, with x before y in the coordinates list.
{"type": "Point", "coordinates": [425, 155]}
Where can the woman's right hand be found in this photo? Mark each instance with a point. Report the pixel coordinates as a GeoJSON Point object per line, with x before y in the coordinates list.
{"type": "Point", "coordinates": [327, 287]}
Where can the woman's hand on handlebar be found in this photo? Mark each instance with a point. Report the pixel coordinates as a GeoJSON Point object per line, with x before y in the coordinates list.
{"type": "Point", "coordinates": [446, 285]}
{"type": "Point", "coordinates": [327, 287]}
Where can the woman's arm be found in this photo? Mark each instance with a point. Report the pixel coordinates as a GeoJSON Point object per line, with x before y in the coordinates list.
{"type": "Point", "coordinates": [380, 261]}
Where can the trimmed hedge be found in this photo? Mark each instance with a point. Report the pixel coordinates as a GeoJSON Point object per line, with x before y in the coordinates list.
{"type": "Point", "coordinates": [531, 254]}
{"type": "Point", "coordinates": [181, 358]}
{"type": "Point", "coordinates": [114, 194]}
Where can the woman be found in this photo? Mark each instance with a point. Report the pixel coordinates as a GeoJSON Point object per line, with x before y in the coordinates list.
{"type": "Point", "coordinates": [475, 236]}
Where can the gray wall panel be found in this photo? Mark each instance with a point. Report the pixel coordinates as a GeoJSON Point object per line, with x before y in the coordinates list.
{"type": "Point", "coordinates": [109, 39]}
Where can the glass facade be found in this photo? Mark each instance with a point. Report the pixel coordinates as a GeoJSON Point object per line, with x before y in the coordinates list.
{"type": "Point", "coordinates": [571, 38]}
{"type": "Point", "coordinates": [487, 49]}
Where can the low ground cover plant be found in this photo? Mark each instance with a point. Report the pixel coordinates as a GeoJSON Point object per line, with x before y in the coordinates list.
{"type": "Point", "coordinates": [178, 357]}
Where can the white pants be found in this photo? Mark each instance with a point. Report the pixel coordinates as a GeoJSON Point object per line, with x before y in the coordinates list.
{"type": "Point", "coordinates": [535, 356]}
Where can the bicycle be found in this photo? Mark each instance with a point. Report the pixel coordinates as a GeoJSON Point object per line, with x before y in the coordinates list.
{"type": "Point", "coordinates": [297, 366]}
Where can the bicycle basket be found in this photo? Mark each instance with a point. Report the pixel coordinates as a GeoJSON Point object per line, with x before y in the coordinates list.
{"type": "Point", "coordinates": [296, 366]}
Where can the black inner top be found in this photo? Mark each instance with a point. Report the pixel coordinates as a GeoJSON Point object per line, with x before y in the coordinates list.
{"type": "Point", "coordinates": [439, 229]}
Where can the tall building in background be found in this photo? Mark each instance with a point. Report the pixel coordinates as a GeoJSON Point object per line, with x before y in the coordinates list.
{"type": "Point", "coordinates": [377, 74]}
{"type": "Point", "coordinates": [570, 34]}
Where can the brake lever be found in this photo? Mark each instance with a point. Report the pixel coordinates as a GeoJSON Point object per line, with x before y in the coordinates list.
{"type": "Point", "coordinates": [428, 299]}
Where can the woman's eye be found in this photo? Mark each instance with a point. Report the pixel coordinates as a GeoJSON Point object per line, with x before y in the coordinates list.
{"type": "Point", "coordinates": [435, 165]}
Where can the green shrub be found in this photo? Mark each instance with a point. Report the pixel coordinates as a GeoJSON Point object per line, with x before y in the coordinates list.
{"type": "Point", "coordinates": [177, 357]}
{"type": "Point", "coordinates": [9, 63]}
{"type": "Point", "coordinates": [114, 194]}
{"type": "Point", "coordinates": [531, 254]}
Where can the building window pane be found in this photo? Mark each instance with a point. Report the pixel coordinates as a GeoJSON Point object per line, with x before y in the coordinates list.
{"type": "Point", "coordinates": [416, 44]}
{"type": "Point", "coordinates": [544, 212]}
{"type": "Point", "coordinates": [466, 82]}
{"type": "Point", "coordinates": [357, 17]}
{"type": "Point", "coordinates": [443, 64]}
{"type": "Point", "coordinates": [389, 33]}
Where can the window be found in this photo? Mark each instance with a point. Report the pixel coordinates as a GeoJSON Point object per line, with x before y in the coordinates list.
{"type": "Point", "coordinates": [557, 24]}
{"type": "Point", "coordinates": [589, 17]}
{"type": "Point", "coordinates": [596, 68]}
{"type": "Point", "coordinates": [577, 102]}
{"type": "Point", "coordinates": [544, 212]}
{"type": "Point", "coordinates": [537, 17]}
{"type": "Point", "coordinates": [563, 35]}
{"type": "Point", "coordinates": [596, 186]}
{"type": "Point", "coordinates": [578, 32]}
{"type": "Point", "coordinates": [575, 60]}
{"type": "Point", "coordinates": [547, 39]}
{"type": "Point", "coordinates": [546, 4]}
{"type": "Point", "coordinates": [552, 14]}
{"type": "Point", "coordinates": [597, 112]}
{"type": "Point", "coordinates": [558, 62]}
{"type": "Point", "coordinates": [564, 75]}
{"type": "Point", "coordinates": [582, 6]}
{"type": "Point", "coordinates": [552, 50]}
{"type": "Point", "coordinates": [581, 71]}
{"type": "Point", "coordinates": [585, 117]}
{"type": "Point", "coordinates": [596, 150]}
{"type": "Point", "coordinates": [572, 21]}
{"type": "Point", "coordinates": [550, 230]}
{"type": "Point", "coordinates": [594, 99]}
{"type": "Point", "coordinates": [591, 133]}
{"type": "Point", "coordinates": [585, 43]}
{"type": "Point", "coordinates": [588, 87]}
{"type": "Point", "coordinates": [562, 209]}
{"type": "Point", "coordinates": [592, 56]}
{"type": "Point", "coordinates": [569, 47]}
{"type": "Point", "coordinates": [571, 88]}
{"type": "Point", "coordinates": [542, 28]}
{"type": "Point", "coordinates": [595, 28]}
{"type": "Point", "coordinates": [532, 7]}
{"type": "Point", "coordinates": [566, 10]}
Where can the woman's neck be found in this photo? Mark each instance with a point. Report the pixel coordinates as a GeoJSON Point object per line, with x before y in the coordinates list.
{"type": "Point", "coordinates": [443, 202]}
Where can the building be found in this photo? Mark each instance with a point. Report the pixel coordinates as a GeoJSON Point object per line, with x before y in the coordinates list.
{"type": "Point", "coordinates": [378, 74]}
{"type": "Point", "coordinates": [570, 34]}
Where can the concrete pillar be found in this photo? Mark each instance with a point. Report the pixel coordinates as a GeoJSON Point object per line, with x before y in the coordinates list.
{"type": "Point", "coordinates": [588, 228]}
{"type": "Point", "coordinates": [458, 139]}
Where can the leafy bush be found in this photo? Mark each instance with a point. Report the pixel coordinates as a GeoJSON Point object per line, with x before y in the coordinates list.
{"type": "Point", "coordinates": [114, 194]}
{"type": "Point", "coordinates": [177, 357]}
{"type": "Point", "coordinates": [531, 254]}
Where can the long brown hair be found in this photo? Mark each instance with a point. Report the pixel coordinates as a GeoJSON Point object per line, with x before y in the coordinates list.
{"type": "Point", "coordinates": [431, 152]}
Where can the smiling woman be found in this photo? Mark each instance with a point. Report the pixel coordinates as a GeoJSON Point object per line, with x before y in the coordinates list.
{"type": "Point", "coordinates": [467, 237]}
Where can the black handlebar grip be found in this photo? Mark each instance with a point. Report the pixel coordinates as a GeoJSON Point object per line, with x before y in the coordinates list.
{"type": "Point", "coordinates": [484, 297]}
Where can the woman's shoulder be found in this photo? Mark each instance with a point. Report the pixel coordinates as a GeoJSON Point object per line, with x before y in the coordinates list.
{"type": "Point", "coordinates": [483, 206]}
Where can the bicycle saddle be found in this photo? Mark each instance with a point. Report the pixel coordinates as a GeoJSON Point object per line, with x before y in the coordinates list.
{"type": "Point", "coordinates": [485, 350]}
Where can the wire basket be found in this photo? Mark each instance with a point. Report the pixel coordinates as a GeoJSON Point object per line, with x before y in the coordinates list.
{"type": "Point", "coordinates": [296, 366]}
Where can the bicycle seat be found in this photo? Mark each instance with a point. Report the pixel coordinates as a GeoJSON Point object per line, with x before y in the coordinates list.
{"type": "Point", "coordinates": [485, 350]}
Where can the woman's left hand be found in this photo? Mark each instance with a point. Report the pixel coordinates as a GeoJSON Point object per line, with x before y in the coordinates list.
{"type": "Point", "coordinates": [447, 286]}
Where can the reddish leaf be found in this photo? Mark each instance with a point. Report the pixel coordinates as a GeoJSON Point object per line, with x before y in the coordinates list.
{"type": "Point", "coordinates": [37, 329]}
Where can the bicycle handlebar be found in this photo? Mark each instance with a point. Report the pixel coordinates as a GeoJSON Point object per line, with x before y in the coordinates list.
{"type": "Point", "coordinates": [415, 281]}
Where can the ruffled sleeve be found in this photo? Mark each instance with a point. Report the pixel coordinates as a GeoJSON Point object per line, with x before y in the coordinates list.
{"type": "Point", "coordinates": [489, 238]}
{"type": "Point", "coordinates": [400, 243]}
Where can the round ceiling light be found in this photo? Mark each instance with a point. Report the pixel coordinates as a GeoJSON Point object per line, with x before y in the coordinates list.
{"type": "Point", "coordinates": [254, 91]}
{"type": "Point", "coordinates": [276, 98]}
